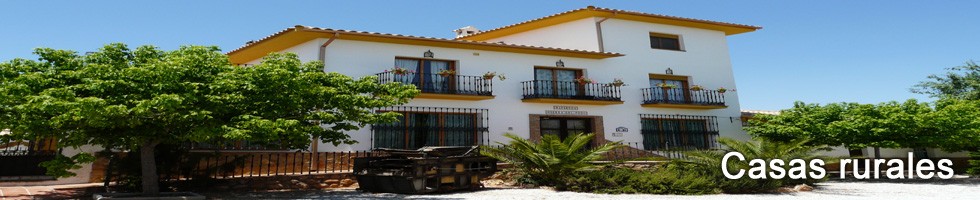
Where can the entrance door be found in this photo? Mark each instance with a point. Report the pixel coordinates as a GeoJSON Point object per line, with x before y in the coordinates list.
{"type": "Point", "coordinates": [563, 127]}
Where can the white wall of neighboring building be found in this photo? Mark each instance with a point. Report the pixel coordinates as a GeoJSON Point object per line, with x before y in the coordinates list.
{"type": "Point", "coordinates": [706, 61]}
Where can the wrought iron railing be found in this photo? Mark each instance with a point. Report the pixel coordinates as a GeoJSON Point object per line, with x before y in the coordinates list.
{"type": "Point", "coordinates": [23, 157]}
{"type": "Point", "coordinates": [441, 84]}
{"type": "Point", "coordinates": [660, 95]}
{"type": "Point", "coordinates": [662, 131]}
{"type": "Point", "coordinates": [570, 90]}
{"type": "Point", "coordinates": [432, 126]}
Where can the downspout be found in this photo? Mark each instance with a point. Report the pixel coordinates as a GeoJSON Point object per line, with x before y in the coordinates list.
{"type": "Point", "coordinates": [315, 147]}
{"type": "Point", "coordinates": [598, 31]}
{"type": "Point", "coordinates": [323, 49]}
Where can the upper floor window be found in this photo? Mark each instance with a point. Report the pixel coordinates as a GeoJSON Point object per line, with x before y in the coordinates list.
{"type": "Point", "coordinates": [665, 41]}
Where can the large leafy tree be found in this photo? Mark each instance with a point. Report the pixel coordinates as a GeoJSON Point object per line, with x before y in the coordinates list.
{"type": "Point", "coordinates": [960, 82]}
{"type": "Point", "coordinates": [137, 99]}
{"type": "Point", "coordinates": [854, 125]}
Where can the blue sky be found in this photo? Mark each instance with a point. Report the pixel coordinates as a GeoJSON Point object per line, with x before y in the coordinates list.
{"type": "Point", "coordinates": [812, 51]}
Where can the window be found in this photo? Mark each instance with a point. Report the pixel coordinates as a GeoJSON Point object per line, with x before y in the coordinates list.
{"type": "Point", "coordinates": [556, 82]}
{"type": "Point", "coordinates": [677, 94]}
{"type": "Point", "coordinates": [426, 76]}
{"type": "Point", "coordinates": [665, 41]}
{"type": "Point", "coordinates": [661, 132]}
{"type": "Point", "coordinates": [422, 126]}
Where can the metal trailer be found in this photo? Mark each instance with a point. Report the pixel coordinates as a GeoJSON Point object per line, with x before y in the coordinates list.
{"type": "Point", "coordinates": [426, 170]}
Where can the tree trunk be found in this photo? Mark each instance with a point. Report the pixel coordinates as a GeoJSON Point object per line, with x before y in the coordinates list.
{"type": "Point", "coordinates": [877, 152]}
{"type": "Point", "coordinates": [151, 183]}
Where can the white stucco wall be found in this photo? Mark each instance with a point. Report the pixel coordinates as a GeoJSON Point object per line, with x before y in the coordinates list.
{"type": "Point", "coordinates": [578, 34]}
{"type": "Point", "coordinates": [706, 61]}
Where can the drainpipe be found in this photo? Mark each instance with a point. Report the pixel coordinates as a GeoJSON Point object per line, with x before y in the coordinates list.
{"type": "Point", "coordinates": [323, 49]}
{"type": "Point", "coordinates": [598, 31]}
{"type": "Point", "coordinates": [315, 146]}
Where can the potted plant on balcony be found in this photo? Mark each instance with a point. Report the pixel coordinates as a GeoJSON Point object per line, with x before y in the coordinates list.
{"type": "Point", "coordinates": [722, 90]}
{"type": "Point", "coordinates": [582, 80]}
{"type": "Point", "coordinates": [666, 85]}
{"type": "Point", "coordinates": [489, 75]}
{"type": "Point", "coordinates": [617, 82]}
{"type": "Point", "coordinates": [696, 88]}
{"type": "Point", "coordinates": [446, 72]}
{"type": "Point", "coordinates": [399, 71]}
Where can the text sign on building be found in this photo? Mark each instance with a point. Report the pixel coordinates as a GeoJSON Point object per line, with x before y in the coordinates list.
{"type": "Point", "coordinates": [565, 110]}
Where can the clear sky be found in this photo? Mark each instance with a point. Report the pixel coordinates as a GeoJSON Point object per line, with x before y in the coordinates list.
{"type": "Point", "coordinates": [812, 51]}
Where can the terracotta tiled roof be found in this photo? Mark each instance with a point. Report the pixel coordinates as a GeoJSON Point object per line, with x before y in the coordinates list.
{"type": "Point", "coordinates": [342, 31]}
{"type": "Point", "coordinates": [617, 11]}
{"type": "Point", "coordinates": [754, 112]}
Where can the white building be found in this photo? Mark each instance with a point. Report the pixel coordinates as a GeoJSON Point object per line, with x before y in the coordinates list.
{"type": "Point", "coordinates": [661, 59]}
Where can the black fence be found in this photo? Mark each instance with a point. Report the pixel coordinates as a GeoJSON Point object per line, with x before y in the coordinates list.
{"type": "Point", "coordinates": [660, 95]}
{"type": "Point", "coordinates": [23, 157]}
{"type": "Point", "coordinates": [198, 165]}
{"type": "Point", "coordinates": [662, 131]}
{"type": "Point", "coordinates": [442, 84]}
{"type": "Point", "coordinates": [571, 90]}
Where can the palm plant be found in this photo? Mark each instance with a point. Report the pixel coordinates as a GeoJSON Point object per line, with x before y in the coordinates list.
{"type": "Point", "coordinates": [709, 161]}
{"type": "Point", "coordinates": [547, 161]}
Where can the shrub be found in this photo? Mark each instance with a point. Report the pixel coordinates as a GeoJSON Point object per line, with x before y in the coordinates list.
{"type": "Point", "coordinates": [974, 168]}
{"type": "Point", "coordinates": [671, 179]}
{"type": "Point", "coordinates": [709, 162]}
{"type": "Point", "coordinates": [546, 162]}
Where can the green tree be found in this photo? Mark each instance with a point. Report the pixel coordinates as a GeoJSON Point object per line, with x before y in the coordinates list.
{"type": "Point", "coordinates": [137, 99]}
{"type": "Point", "coordinates": [960, 82]}
{"type": "Point", "coordinates": [547, 161]}
{"type": "Point", "coordinates": [853, 125]}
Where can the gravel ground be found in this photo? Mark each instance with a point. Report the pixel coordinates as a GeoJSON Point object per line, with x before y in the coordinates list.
{"type": "Point", "coordinates": [824, 191]}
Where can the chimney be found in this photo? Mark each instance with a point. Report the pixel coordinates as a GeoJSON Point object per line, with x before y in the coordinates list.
{"type": "Point", "coordinates": [465, 31]}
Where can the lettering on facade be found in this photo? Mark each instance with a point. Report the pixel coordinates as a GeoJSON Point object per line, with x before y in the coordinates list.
{"type": "Point", "coordinates": [565, 112]}
{"type": "Point", "coordinates": [565, 107]}
{"type": "Point", "coordinates": [617, 134]}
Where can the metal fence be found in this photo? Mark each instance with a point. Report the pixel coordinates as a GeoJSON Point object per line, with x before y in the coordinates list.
{"type": "Point", "coordinates": [22, 157]}
{"type": "Point", "coordinates": [442, 84]}
{"type": "Point", "coordinates": [570, 90]}
{"type": "Point", "coordinates": [197, 165]}
{"type": "Point", "coordinates": [660, 95]}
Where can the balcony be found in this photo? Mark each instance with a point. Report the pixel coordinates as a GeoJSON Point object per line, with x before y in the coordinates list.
{"type": "Point", "coordinates": [568, 92]}
{"type": "Point", "coordinates": [683, 98]}
{"type": "Point", "coordinates": [436, 86]}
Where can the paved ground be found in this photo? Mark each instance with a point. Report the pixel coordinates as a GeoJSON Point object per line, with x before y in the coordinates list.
{"type": "Point", "coordinates": [836, 190]}
{"type": "Point", "coordinates": [832, 190]}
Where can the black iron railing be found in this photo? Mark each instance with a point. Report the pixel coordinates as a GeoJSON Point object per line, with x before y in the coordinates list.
{"type": "Point", "coordinates": [441, 84]}
{"type": "Point", "coordinates": [660, 95]}
{"type": "Point", "coordinates": [570, 90]}
{"type": "Point", "coordinates": [23, 157]}
{"type": "Point", "coordinates": [432, 126]}
{"type": "Point", "coordinates": [662, 131]}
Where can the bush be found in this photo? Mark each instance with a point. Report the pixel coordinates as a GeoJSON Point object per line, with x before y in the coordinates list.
{"type": "Point", "coordinates": [974, 168]}
{"type": "Point", "coordinates": [548, 161]}
{"type": "Point", "coordinates": [709, 163]}
{"type": "Point", "coordinates": [671, 179]}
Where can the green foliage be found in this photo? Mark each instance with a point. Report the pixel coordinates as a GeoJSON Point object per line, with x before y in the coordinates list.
{"type": "Point", "coordinates": [974, 168]}
{"type": "Point", "coordinates": [708, 162]}
{"type": "Point", "coordinates": [548, 161]}
{"type": "Point", "coordinates": [854, 125]}
{"type": "Point", "coordinates": [961, 82]}
{"type": "Point", "coordinates": [671, 179]}
{"type": "Point", "coordinates": [129, 99]}
{"type": "Point", "coordinates": [60, 166]}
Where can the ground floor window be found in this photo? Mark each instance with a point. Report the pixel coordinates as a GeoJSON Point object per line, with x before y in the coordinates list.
{"type": "Point", "coordinates": [661, 132]}
{"type": "Point", "coordinates": [428, 126]}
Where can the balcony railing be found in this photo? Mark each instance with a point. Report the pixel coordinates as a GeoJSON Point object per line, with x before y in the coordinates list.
{"type": "Point", "coordinates": [570, 90]}
{"type": "Point", "coordinates": [439, 84]}
{"type": "Point", "coordinates": [660, 95]}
